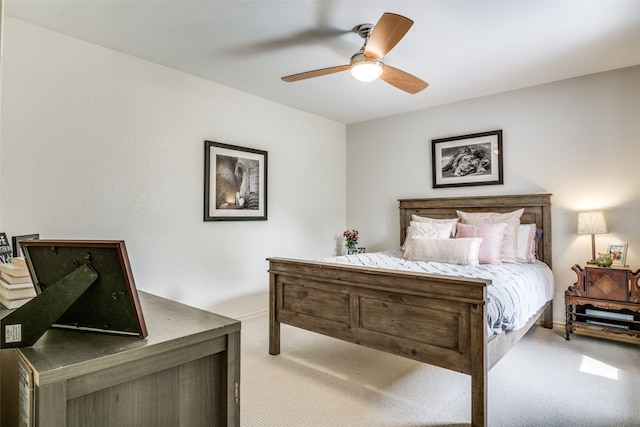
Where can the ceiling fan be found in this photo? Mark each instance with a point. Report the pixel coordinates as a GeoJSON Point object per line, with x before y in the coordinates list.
{"type": "Point", "coordinates": [367, 65]}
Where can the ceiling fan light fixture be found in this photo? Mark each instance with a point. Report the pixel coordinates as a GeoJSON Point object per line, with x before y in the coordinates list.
{"type": "Point", "coordinates": [365, 69]}
{"type": "Point", "coordinates": [366, 65]}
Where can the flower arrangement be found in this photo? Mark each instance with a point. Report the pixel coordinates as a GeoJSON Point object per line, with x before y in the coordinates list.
{"type": "Point", "coordinates": [352, 238]}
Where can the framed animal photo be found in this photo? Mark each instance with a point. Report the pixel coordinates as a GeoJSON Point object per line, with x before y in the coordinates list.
{"type": "Point", "coordinates": [474, 159]}
{"type": "Point", "coordinates": [235, 183]}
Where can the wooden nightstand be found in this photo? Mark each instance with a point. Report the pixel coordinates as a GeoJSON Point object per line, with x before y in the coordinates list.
{"type": "Point", "coordinates": [605, 299]}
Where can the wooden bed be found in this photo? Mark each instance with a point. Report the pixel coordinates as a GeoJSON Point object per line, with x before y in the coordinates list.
{"type": "Point", "coordinates": [443, 317]}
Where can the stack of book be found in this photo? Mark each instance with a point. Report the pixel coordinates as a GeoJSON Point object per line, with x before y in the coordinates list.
{"type": "Point", "coordinates": [16, 288]}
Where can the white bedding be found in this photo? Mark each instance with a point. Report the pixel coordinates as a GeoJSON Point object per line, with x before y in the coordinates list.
{"type": "Point", "coordinates": [517, 290]}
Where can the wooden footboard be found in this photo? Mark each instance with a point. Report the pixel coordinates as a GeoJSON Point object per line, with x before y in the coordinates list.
{"type": "Point", "coordinates": [435, 319]}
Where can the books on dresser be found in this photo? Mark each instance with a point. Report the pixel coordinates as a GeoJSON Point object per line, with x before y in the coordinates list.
{"type": "Point", "coordinates": [19, 261]}
{"type": "Point", "coordinates": [16, 287]}
{"type": "Point", "coordinates": [14, 279]}
{"type": "Point", "coordinates": [13, 269]}
{"type": "Point", "coordinates": [14, 303]}
{"type": "Point", "coordinates": [11, 291]}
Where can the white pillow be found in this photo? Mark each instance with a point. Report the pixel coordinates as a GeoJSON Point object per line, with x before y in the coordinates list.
{"type": "Point", "coordinates": [463, 251]}
{"type": "Point", "coordinates": [527, 243]}
{"type": "Point", "coordinates": [509, 250]}
{"type": "Point", "coordinates": [437, 222]}
{"type": "Point", "coordinates": [430, 229]}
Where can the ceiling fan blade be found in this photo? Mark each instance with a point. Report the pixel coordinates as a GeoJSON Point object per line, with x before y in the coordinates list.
{"type": "Point", "coordinates": [315, 73]}
{"type": "Point", "coordinates": [389, 30]}
{"type": "Point", "coordinates": [403, 80]}
{"type": "Point", "coordinates": [302, 38]}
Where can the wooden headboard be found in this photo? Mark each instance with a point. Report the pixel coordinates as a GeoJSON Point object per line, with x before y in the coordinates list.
{"type": "Point", "coordinates": [537, 210]}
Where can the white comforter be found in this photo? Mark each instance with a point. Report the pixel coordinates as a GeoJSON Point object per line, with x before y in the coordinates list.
{"type": "Point", "coordinates": [517, 291]}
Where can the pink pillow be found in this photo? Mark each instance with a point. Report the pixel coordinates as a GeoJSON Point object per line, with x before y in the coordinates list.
{"type": "Point", "coordinates": [492, 237]}
{"type": "Point", "coordinates": [510, 242]}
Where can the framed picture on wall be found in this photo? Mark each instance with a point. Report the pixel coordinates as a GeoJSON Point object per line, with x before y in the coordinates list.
{"type": "Point", "coordinates": [235, 183]}
{"type": "Point", "coordinates": [474, 159]}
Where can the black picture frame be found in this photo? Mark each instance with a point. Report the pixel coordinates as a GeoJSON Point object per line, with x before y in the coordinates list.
{"type": "Point", "coordinates": [235, 183]}
{"type": "Point", "coordinates": [15, 240]}
{"type": "Point", "coordinates": [474, 159]}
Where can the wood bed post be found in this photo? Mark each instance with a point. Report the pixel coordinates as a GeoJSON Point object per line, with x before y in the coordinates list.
{"type": "Point", "coordinates": [547, 318]}
{"type": "Point", "coordinates": [479, 365]}
{"type": "Point", "coordinates": [274, 325]}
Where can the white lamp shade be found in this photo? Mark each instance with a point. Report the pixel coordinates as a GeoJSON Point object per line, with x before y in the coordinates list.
{"type": "Point", "coordinates": [592, 223]}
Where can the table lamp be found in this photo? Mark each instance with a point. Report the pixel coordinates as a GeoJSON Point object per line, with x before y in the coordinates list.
{"type": "Point", "coordinates": [592, 223]}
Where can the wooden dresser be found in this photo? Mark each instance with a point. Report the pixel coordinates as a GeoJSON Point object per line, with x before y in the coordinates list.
{"type": "Point", "coordinates": [185, 373]}
{"type": "Point", "coordinates": [604, 299]}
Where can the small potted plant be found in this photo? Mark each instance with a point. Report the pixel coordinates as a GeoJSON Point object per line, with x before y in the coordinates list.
{"type": "Point", "coordinates": [351, 239]}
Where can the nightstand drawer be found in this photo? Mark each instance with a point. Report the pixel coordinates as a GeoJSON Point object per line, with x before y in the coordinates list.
{"type": "Point", "coordinates": [607, 284]}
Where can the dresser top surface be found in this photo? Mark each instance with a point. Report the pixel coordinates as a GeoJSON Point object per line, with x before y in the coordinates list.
{"type": "Point", "coordinates": [170, 325]}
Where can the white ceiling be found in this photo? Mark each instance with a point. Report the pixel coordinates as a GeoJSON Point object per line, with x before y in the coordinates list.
{"type": "Point", "coordinates": [464, 49]}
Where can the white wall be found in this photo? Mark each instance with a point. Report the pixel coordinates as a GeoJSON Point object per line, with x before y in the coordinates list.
{"type": "Point", "coordinates": [101, 145]}
{"type": "Point", "coordinates": [578, 139]}
{"type": "Point", "coordinates": [1, 59]}
{"type": "Point", "coordinates": [96, 144]}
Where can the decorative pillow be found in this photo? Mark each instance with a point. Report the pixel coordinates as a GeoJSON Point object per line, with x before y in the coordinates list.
{"type": "Point", "coordinates": [436, 229]}
{"type": "Point", "coordinates": [538, 238]}
{"type": "Point", "coordinates": [437, 222]}
{"type": "Point", "coordinates": [492, 238]}
{"type": "Point", "coordinates": [527, 243]}
{"type": "Point", "coordinates": [509, 249]}
{"type": "Point", "coordinates": [452, 251]}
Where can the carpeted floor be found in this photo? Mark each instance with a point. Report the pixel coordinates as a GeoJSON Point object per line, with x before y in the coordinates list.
{"type": "Point", "coordinates": [543, 381]}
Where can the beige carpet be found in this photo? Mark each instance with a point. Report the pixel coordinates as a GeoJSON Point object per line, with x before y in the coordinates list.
{"type": "Point", "coordinates": [543, 381]}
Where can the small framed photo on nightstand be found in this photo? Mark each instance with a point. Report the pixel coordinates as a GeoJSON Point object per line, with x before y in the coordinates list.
{"type": "Point", "coordinates": [618, 252]}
